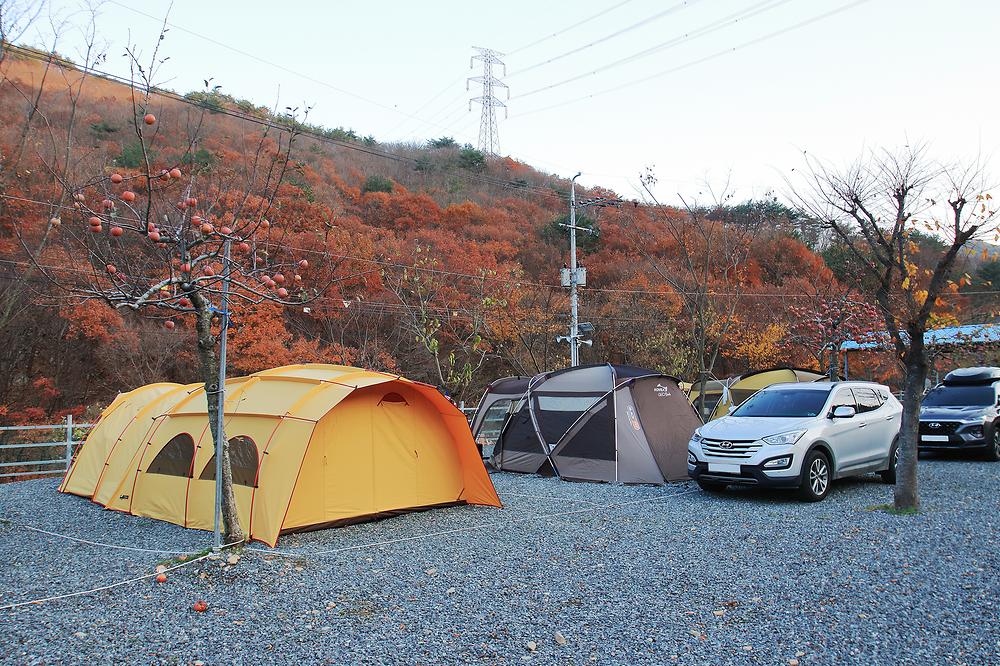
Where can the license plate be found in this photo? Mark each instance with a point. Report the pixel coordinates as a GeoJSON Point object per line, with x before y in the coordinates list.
{"type": "Point", "coordinates": [934, 438]}
{"type": "Point", "coordinates": [722, 467]}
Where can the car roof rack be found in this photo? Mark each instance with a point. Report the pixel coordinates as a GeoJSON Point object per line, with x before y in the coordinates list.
{"type": "Point", "coordinates": [982, 376]}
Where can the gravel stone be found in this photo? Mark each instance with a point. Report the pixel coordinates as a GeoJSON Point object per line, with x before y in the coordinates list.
{"type": "Point", "coordinates": [630, 574]}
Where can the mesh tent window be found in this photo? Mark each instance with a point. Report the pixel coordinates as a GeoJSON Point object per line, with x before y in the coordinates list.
{"type": "Point", "coordinates": [493, 423]}
{"type": "Point", "coordinates": [242, 458]}
{"type": "Point", "coordinates": [393, 399]}
{"type": "Point", "coordinates": [595, 438]}
{"type": "Point", "coordinates": [175, 458]}
{"type": "Point", "coordinates": [557, 412]}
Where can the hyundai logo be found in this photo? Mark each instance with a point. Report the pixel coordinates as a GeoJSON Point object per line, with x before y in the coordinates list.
{"type": "Point", "coordinates": [935, 425]}
{"type": "Point", "coordinates": [725, 445]}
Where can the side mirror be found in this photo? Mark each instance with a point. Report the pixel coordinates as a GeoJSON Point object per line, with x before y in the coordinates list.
{"type": "Point", "coordinates": [843, 412]}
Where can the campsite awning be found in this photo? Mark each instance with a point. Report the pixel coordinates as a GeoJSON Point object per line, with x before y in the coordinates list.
{"type": "Point", "coordinates": [953, 335]}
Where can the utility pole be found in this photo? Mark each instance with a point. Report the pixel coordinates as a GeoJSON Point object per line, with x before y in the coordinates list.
{"type": "Point", "coordinates": [574, 303]}
{"type": "Point", "coordinates": [220, 430]}
{"type": "Point", "coordinates": [489, 133]}
{"type": "Point", "coordinates": [576, 276]}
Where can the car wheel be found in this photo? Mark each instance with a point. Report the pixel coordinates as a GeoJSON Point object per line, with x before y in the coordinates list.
{"type": "Point", "coordinates": [889, 475]}
{"type": "Point", "coordinates": [993, 450]}
{"type": "Point", "coordinates": [711, 486]}
{"type": "Point", "coordinates": [816, 477]}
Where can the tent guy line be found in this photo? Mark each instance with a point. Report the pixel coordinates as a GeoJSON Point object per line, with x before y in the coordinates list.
{"type": "Point", "coordinates": [110, 586]}
{"type": "Point", "coordinates": [551, 497]}
{"type": "Point", "coordinates": [468, 528]}
{"type": "Point", "coordinates": [159, 551]}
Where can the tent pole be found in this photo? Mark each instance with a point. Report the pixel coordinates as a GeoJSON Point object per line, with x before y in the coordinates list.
{"type": "Point", "coordinates": [220, 431]}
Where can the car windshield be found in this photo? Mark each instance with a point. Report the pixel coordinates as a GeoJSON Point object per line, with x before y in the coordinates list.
{"type": "Point", "coordinates": [959, 396]}
{"type": "Point", "coordinates": [784, 402]}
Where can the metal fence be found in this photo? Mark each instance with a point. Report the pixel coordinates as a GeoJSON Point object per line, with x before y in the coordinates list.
{"type": "Point", "coordinates": [23, 457]}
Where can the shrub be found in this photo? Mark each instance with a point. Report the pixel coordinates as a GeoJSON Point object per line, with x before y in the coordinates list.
{"type": "Point", "coordinates": [131, 156]}
{"type": "Point", "coordinates": [199, 160]}
{"type": "Point", "coordinates": [443, 142]}
{"type": "Point", "coordinates": [376, 184]}
{"type": "Point", "coordinates": [472, 159]}
{"type": "Point", "coordinates": [102, 129]}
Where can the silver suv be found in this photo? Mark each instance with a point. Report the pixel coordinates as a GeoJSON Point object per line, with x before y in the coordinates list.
{"type": "Point", "coordinates": [800, 436]}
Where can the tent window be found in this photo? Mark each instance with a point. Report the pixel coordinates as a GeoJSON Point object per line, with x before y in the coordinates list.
{"type": "Point", "coordinates": [596, 438]}
{"type": "Point", "coordinates": [492, 425]}
{"type": "Point", "coordinates": [393, 399]}
{"type": "Point", "coordinates": [556, 413]}
{"type": "Point", "coordinates": [175, 458]}
{"type": "Point", "coordinates": [242, 457]}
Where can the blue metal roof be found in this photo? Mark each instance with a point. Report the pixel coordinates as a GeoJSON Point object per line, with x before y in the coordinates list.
{"type": "Point", "coordinates": [954, 335]}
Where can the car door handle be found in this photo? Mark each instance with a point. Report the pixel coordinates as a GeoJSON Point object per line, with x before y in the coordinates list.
{"type": "Point", "coordinates": [862, 425]}
{"type": "Point", "coordinates": [890, 417]}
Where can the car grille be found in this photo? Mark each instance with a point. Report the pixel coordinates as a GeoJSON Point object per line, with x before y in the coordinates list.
{"type": "Point", "coordinates": [738, 449]}
{"type": "Point", "coordinates": [944, 427]}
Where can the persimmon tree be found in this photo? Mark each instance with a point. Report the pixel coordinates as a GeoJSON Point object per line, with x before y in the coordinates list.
{"type": "Point", "coordinates": [821, 324]}
{"type": "Point", "coordinates": [156, 242]}
{"type": "Point", "coordinates": [874, 208]}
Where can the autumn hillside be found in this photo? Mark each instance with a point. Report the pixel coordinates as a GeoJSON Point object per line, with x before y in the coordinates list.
{"type": "Point", "coordinates": [432, 261]}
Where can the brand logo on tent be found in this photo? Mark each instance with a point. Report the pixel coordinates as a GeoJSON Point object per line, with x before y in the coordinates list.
{"type": "Point", "coordinates": [935, 425]}
{"type": "Point", "coordinates": [725, 445]}
{"type": "Point", "coordinates": [661, 391]}
{"type": "Point", "coordinates": [632, 418]}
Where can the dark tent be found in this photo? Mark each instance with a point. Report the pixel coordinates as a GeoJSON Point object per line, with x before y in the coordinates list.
{"type": "Point", "coordinates": [498, 402]}
{"type": "Point", "coordinates": [596, 423]}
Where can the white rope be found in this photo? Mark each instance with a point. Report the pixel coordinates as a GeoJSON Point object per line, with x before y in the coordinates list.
{"type": "Point", "coordinates": [114, 585]}
{"type": "Point", "coordinates": [98, 543]}
{"type": "Point", "coordinates": [596, 507]}
{"type": "Point", "coordinates": [550, 497]}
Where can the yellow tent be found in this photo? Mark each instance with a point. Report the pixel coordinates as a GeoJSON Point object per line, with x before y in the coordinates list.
{"type": "Point", "coordinates": [746, 385]}
{"type": "Point", "coordinates": [311, 446]}
{"type": "Point", "coordinates": [714, 389]}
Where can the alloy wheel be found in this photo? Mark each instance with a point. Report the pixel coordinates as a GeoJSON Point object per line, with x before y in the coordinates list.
{"type": "Point", "coordinates": [996, 442]}
{"type": "Point", "coordinates": [819, 476]}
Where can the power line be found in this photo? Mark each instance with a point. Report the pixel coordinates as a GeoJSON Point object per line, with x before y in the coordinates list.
{"type": "Point", "coordinates": [706, 29]}
{"type": "Point", "coordinates": [567, 29]}
{"type": "Point", "coordinates": [386, 263]}
{"type": "Point", "coordinates": [699, 61]}
{"type": "Point", "coordinates": [274, 124]}
{"type": "Point", "coordinates": [617, 33]}
{"type": "Point", "coordinates": [423, 106]}
{"type": "Point", "coordinates": [257, 58]}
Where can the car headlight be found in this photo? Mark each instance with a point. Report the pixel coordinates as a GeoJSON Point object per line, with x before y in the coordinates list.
{"type": "Point", "coordinates": [784, 438]}
{"type": "Point", "coordinates": [696, 437]}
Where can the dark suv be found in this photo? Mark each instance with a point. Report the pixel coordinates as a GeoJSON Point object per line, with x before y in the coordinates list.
{"type": "Point", "coordinates": [963, 413]}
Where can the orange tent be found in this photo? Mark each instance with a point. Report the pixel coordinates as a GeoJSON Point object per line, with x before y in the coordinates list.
{"type": "Point", "coordinates": [311, 446]}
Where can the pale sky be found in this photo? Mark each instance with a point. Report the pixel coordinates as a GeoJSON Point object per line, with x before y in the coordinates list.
{"type": "Point", "coordinates": [878, 73]}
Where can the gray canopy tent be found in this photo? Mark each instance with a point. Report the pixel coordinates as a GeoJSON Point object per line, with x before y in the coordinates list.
{"type": "Point", "coordinates": [595, 423]}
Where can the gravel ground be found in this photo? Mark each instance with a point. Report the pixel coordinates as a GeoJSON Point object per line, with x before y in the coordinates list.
{"type": "Point", "coordinates": [629, 575]}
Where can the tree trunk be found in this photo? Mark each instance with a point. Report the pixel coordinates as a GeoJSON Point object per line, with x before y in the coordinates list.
{"type": "Point", "coordinates": [906, 494]}
{"type": "Point", "coordinates": [209, 366]}
{"type": "Point", "coordinates": [703, 378]}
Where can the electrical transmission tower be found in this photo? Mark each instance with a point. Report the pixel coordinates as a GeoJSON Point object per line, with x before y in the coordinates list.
{"type": "Point", "coordinates": [489, 134]}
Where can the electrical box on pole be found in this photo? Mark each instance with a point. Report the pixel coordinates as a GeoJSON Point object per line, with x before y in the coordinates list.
{"type": "Point", "coordinates": [566, 276]}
